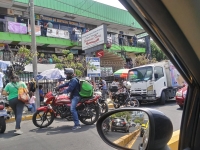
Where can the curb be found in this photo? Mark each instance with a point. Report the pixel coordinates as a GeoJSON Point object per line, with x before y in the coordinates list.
{"type": "Point", "coordinates": [173, 143]}
{"type": "Point", "coordinates": [110, 106]}
{"type": "Point", "coordinates": [24, 118]}
{"type": "Point", "coordinates": [124, 140]}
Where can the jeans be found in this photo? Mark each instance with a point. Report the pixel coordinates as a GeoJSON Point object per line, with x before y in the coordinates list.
{"type": "Point", "coordinates": [104, 94]}
{"type": "Point", "coordinates": [74, 102]}
{"type": "Point", "coordinates": [17, 106]}
{"type": "Point", "coordinates": [33, 108]}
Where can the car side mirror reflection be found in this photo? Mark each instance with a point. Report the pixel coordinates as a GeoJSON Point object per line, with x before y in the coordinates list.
{"type": "Point", "coordinates": [127, 129]}
{"type": "Point", "coordinates": [135, 128]}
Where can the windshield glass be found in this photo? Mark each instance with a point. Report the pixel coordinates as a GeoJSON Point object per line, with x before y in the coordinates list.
{"type": "Point", "coordinates": [140, 74]}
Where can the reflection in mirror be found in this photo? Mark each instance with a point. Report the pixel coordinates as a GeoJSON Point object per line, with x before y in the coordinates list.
{"type": "Point", "coordinates": [128, 129]}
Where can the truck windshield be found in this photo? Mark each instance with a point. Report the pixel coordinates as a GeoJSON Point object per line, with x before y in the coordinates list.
{"type": "Point", "coordinates": [140, 74]}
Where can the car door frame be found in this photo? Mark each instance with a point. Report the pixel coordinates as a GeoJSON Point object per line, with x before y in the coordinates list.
{"type": "Point", "coordinates": [157, 21]}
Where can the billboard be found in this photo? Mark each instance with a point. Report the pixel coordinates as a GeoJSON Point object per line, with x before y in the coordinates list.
{"type": "Point", "coordinates": [94, 37]}
{"type": "Point", "coordinates": [94, 61]}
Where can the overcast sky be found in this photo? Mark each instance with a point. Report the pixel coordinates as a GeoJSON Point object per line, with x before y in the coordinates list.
{"type": "Point", "coordinates": [114, 3]}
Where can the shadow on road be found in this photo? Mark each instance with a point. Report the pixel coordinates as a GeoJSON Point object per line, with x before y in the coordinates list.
{"type": "Point", "coordinates": [155, 105]}
{"type": "Point", "coordinates": [62, 129]}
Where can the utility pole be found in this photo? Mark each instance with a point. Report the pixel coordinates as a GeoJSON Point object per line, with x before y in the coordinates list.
{"type": "Point", "coordinates": [34, 49]}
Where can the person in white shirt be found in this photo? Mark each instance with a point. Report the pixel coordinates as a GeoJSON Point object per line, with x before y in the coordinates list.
{"type": "Point", "coordinates": [32, 101]}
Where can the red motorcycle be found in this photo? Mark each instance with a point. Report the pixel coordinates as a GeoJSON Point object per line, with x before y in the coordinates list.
{"type": "Point", "coordinates": [59, 105]}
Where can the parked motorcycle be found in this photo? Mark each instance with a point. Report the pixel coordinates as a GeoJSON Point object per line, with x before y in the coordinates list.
{"type": "Point", "coordinates": [3, 116]}
{"type": "Point", "coordinates": [124, 99]}
{"type": "Point", "coordinates": [103, 106]}
{"type": "Point", "coordinates": [59, 104]}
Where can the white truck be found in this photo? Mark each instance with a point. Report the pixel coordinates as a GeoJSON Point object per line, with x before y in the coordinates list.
{"type": "Point", "coordinates": [155, 82]}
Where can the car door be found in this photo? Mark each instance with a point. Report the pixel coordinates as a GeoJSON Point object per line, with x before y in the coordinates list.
{"type": "Point", "coordinates": [174, 26]}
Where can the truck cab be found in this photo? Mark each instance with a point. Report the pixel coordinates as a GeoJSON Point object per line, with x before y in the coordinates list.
{"type": "Point", "coordinates": [155, 82]}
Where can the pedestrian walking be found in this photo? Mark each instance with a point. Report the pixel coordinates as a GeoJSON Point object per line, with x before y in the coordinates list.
{"type": "Point", "coordinates": [11, 90]}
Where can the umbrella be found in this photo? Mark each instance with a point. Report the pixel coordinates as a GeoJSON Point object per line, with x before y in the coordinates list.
{"type": "Point", "coordinates": [51, 74]}
{"type": "Point", "coordinates": [122, 73]}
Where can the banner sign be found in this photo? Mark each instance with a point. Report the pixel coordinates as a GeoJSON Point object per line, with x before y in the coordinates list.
{"type": "Point", "coordinates": [94, 61]}
{"type": "Point", "coordinates": [51, 32]}
{"type": "Point", "coordinates": [94, 37]}
{"type": "Point", "coordinates": [37, 30]}
{"type": "Point", "coordinates": [100, 53]}
{"type": "Point", "coordinates": [15, 27]}
{"type": "Point", "coordinates": [106, 71]}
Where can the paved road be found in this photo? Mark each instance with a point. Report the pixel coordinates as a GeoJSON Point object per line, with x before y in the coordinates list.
{"type": "Point", "coordinates": [59, 135]}
{"type": "Point", "coordinates": [112, 136]}
{"type": "Point", "coordinates": [171, 110]}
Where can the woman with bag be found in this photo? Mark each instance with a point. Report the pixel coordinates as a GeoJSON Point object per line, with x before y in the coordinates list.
{"type": "Point", "coordinates": [17, 105]}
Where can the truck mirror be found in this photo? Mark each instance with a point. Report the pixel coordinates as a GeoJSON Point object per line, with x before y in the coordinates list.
{"type": "Point", "coordinates": [156, 76]}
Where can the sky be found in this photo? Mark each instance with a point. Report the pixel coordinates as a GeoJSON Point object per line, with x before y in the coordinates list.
{"type": "Point", "coordinates": [114, 3]}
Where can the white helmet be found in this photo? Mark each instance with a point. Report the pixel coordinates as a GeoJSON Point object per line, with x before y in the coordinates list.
{"type": "Point", "coordinates": [87, 79]}
{"type": "Point", "coordinates": [127, 84]}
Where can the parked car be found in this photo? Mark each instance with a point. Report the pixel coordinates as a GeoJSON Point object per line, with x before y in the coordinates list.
{"type": "Point", "coordinates": [180, 96]}
{"type": "Point", "coordinates": [120, 124]}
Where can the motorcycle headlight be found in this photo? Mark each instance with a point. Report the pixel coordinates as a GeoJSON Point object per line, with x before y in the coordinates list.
{"type": "Point", "coordinates": [179, 94]}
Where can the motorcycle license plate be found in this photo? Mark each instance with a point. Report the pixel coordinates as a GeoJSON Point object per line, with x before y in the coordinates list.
{"type": "Point", "coordinates": [3, 113]}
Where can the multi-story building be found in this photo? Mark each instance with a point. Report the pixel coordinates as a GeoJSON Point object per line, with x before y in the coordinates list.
{"type": "Point", "coordinates": [60, 24]}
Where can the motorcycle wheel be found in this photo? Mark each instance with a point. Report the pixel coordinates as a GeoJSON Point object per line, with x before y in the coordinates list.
{"type": "Point", "coordinates": [93, 109]}
{"type": "Point", "coordinates": [43, 118]}
{"type": "Point", "coordinates": [103, 107]}
{"type": "Point", "coordinates": [134, 103]}
{"type": "Point", "coordinates": [2, 125]}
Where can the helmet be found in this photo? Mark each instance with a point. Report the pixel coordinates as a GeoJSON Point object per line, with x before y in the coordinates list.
{"type": "Point", "coordinates": [69, 71]}
{"type": "Point", "coordinates": [87, 79]}
{"type": "Point", "coordinates": [127, 84]}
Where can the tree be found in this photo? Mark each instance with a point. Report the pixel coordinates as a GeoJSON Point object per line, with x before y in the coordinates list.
{"type": "Point", "coordinates": [125, 114]}
{"type": "Point", "coordinates": [143, 60]}
{"type": "Point", "coordinates": [157, 52]}
{"type": "Point", "coordinates": [70, 61]}
{"type": "Point", "coordinates": [23, 57]}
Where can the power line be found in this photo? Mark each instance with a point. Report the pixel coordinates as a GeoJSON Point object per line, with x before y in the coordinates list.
{"type": "Point", "coordinates": [84, 2]}
{"type": "Point", "coordinates": [91, 5]}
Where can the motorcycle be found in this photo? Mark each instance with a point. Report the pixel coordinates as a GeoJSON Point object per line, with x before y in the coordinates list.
{"type": "Point", "coordinates": [103, 106]}
{"type": "Point", "coordinates": [59, 105]}
{"type": "Point", "coordinates": [3, 116]}
{"type": "Point", "coordinates": [124, 99]}
{"type": "Point", "coordinates": [106, 125]}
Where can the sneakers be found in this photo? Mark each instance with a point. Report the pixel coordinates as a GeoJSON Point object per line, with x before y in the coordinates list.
{"type": "Point", "coordinates": [76, 127]}
{"type": "Point", "coordinates": [18, 132]}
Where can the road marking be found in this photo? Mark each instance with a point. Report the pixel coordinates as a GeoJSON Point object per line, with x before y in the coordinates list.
{"type": "Point", "coordinates": [131, 143]}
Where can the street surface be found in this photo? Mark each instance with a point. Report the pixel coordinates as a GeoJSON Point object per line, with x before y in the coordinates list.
{"type": "Point", "coordinates": [112, 136]}
{"type": "Point", "coordinates": [59, 135]}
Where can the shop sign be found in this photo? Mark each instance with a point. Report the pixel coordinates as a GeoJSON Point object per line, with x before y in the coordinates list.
{"type": "Point", "coordinates": [94, 37]}
{"type": "Point", "coordinates": [73, 23]}
{"type": "Point", "coordinates": [51, 32]}
{"type": "Point", "coordinates": [96, 62]}
{"type": "Point", "coordinates": [15, 27]}
{"type": "Point", "coordinates": [82, 25]}
{"type": "Point", "coordinates": [100, 53]}
{"type": "Point", "coordinates": [106, 71]}
{"type": "Point", "coordinates": [37, 30]}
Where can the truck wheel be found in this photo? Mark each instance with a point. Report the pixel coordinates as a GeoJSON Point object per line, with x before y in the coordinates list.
{"type": "Point", "coordinates": [162, 98]}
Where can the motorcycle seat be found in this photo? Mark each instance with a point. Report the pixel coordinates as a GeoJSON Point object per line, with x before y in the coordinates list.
{"type": "Point", "coordinates": [86, 99]}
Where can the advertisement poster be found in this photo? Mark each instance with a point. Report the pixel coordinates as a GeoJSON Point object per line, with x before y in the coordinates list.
{"type": "Point", "coordinates": [15, 27]}
{"type": "Point", "coordinates": [95, 61]}
{"type": "Point", "coordinates": [58, 33]}
{"type": "Point", "coordinates": [94, 37]}
{"type": "Point", "coordinates": [37, 30]}
{"type": "Point", "coordinates": [106, 71]}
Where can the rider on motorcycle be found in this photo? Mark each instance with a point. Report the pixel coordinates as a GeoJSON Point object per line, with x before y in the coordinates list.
{"type": "Point", "coordinates": [73, 88]}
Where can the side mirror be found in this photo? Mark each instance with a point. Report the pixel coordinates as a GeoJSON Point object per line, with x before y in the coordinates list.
{"type": "Point", "coordinates": [153, 134]}
{"type": "Point", "coordinates": [156, 75]}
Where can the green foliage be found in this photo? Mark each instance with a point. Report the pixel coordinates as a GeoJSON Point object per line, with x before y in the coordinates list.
{"type": "Point", "coordinates": [143, 60]}
{"type": "Point", "coordinates": [70, 61]}
{"type": "Point", "coordinates": [125, 114]}
{"type": "Point", "coordinates": [157, 52]}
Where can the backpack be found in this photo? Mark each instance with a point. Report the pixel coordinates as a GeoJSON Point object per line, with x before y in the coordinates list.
{"type": "Point", "coordinates": [86, 89]}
